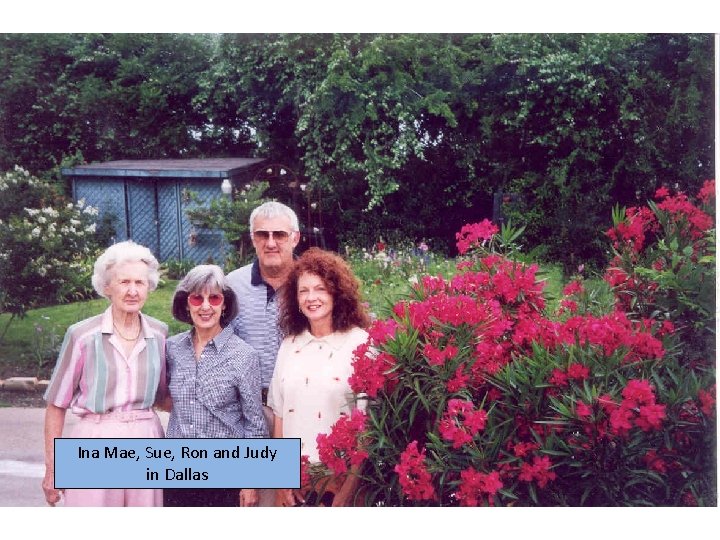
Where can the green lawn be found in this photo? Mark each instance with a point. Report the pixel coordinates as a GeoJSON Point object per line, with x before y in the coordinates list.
{"type": "Point", "coordinates": [31, 344]}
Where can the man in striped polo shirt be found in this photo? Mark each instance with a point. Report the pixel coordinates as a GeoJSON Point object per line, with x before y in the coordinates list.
{"type": "Point", "coordinates": [275, 231]}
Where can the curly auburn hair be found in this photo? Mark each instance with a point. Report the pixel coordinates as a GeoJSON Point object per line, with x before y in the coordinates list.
{"type": "Point", "coordinates": [341, 283]}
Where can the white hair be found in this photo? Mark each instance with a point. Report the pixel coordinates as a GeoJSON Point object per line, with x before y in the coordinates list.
{"type": "Point", "coordinates": [124, 252]}
{"type": "Point", "coordinates": [271, 210]}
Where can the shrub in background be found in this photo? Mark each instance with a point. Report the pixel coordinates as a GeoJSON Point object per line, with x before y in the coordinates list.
{"type": "Point", "coordinates": [46, 245]}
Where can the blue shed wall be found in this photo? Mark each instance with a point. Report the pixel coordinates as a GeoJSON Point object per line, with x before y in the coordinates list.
{"type": "Point", "coordinates": [152, 213]}
{"type": "Point", "coordinates": [108, 198]}
{"type": "Point", "coordinates": [210, 245]}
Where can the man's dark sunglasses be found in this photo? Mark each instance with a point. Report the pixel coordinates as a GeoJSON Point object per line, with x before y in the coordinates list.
{"type": "Point", "coordinates": [278, 236]}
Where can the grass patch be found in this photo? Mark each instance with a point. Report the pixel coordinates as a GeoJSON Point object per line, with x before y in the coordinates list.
{"type": "Point", "coordinates": [31, 344]}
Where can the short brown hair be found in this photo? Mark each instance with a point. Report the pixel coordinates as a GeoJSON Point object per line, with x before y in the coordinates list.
{"type": "Point", "coordinates": [348, 310]}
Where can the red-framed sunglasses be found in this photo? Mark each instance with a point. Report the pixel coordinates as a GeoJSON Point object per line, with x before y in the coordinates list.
{"type": "Point", "coordinates": [197, 300]}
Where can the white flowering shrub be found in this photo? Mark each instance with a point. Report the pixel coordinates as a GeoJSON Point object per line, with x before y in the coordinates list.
{"type": "Point", "coordinates": [47, 244]}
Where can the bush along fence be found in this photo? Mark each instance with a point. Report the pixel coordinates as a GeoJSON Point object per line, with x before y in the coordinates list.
{"type": "Point", "coordinates": [477, 396]}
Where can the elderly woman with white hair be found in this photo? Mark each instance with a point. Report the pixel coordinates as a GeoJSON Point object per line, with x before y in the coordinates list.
{"type": "Point", "coordinates": [110, 372]}
{"type": "Point", "coordinates": [213, 378]}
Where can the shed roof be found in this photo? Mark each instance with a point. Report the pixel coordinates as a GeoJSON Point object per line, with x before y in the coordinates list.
{"type": "Point", "coordinates": [175, 168]}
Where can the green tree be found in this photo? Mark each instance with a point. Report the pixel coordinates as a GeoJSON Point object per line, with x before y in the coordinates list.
{"type": "Point", "coordinates": [100, 96]}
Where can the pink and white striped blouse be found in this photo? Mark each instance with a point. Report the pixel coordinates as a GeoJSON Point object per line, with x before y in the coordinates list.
{"type": "Point", "coordinates": [93, 376]}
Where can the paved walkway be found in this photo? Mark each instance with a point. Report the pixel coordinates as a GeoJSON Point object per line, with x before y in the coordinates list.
{"type": "Point", "coordinates": [22, 460]}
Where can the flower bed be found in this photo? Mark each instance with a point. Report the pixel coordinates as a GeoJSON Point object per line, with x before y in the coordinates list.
{"type": "Point", "coordinates": [477, 396]}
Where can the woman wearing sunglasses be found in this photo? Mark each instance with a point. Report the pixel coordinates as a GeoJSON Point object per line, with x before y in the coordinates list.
{"type": "Point", "coordinates": [214, 378]}
{"type": "Point", "coordinates": [324, 319]}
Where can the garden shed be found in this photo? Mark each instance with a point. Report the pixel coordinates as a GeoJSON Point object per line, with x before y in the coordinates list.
{"type": "Point", "coordinates": [145, 200]}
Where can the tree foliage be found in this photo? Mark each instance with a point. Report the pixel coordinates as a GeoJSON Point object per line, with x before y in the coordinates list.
{"type": "Point", "coordinates": [94, 97]}
{"type": "Point", "coordinates": [399, 132]}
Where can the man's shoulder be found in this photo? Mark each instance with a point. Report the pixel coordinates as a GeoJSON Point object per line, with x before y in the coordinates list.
{"type": "Point", "coordinates": [242, 271]}
{"type": "Point", "coordinates": [240, 275]}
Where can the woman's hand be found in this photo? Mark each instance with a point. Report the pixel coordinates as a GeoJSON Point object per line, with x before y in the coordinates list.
{"type": "Point", "coordinates": [52, 495]}
{"type": "Point", "coordinates": [288, 497]}
{"type": "Point", "coordinates": [249, 497]}
{"type": "Point", "coordinates": [54, 422]}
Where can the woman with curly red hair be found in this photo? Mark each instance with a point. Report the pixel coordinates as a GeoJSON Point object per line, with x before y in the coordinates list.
{"type": "Point", "coordinates": [324, 321]}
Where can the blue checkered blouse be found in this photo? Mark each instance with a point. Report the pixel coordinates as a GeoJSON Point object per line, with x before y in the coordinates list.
{"type": "Point", "coordinates": [217, 395]}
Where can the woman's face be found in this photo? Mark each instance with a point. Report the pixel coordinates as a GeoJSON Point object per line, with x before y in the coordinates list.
{"type": "Point", "coordinates": [206, 308]}
{"type": "Point", "coordinates": [128, 287]}
{"type": "Point", "coordinates": [314, 299]}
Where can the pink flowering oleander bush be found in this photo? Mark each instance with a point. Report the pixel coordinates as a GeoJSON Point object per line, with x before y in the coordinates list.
{"type": "Point", "coordinates": [478, 396]}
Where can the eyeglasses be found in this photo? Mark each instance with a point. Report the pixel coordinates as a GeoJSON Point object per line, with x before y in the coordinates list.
{"type": "Point", "coordinates": [278, 236]}
{"type": "Point", "coordinates": [198, 299]}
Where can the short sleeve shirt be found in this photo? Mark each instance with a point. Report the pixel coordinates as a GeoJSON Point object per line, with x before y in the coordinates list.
{"type": "Point", "coordinates": [310, 388]}
{"type": "Point", "coordinates": [92, 375]}
{"type": "Point", "coordinates": [257, 320]}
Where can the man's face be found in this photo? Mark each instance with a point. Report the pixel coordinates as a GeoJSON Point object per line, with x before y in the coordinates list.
{"type": "Point", "coordinates": [274, 254]}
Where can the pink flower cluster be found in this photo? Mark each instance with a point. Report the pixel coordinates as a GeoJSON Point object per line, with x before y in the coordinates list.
{"type": "Point", "coordinates": [539, 470]}
{"type": "Point", "coordinates": [681, 209]}
{"type": "Point", "coordinates": [475, 234]}
{"type": "Point", "coordinates": [461, 422]}
{"type": "Point", "coordinates": [474, 486]}
{"type": "Point", "coordinates": [371, 371]}
{"type": "Point", "coordinates": [637, 408]}
{"type": "Point", "coordinates": [414, 478]}
{"type": "Point", "coordinates": [575, 371]}
{"type": "Point", "coordinates": [341, 447]}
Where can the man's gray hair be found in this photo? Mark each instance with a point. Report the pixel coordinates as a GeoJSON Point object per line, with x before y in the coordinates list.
{"type": "Point", "coordinates": [120, 253]}
{"type": "Point", "coordinates": [204, 278]}
{"type": "Point", "coordinates": [274, 209]}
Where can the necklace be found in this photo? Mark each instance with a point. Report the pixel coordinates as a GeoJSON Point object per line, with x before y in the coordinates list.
{"type": "Point", "coordinates": [119, 333]}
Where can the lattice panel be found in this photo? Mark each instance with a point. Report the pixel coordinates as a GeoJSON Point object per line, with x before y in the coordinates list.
{"type": "Point", "coordinates": [168, 211]}
{"type": "Point", "coordinates": [209, 245]}
{"type": "Point", "coordinates": [143, 214]}
{"type": "Point", "coordinates": [108, 197]}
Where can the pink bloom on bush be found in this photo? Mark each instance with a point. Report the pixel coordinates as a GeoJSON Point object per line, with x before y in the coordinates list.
{"type": "Point", "coordinates": [438, 357]}
{"type": "Point", "coordinates": [370, 371]}
{"type": "Point", "coordinates": [522, 449]}
{"type": "Point", "coordinates": [459, 381]}
{"type": "Point", "coordinates": [582, 410]}
{"type": "Point", "coordinates": [639, 391]}
{"type": "Point", "coordinates": [304, 470]}
{"type": "Point", "coordinates": [662, 192]}
{"type": "Point", "coordinates": [621, 421]}
{"type": "Point", "coordinates": [474, 485]}
{"type": "Point", "coordinates": [380, 331]}
{"type": "Point", "coordinates": [650, 417]}
{"type": "Point", "coordinates": [342, 444]}
{"type": "Point", "coordinates": [538, 471]}
{"type": "Point", "coordinates": [578, 371]}
{"type": "Point", "coordinates": [461, 422]}
{"type": "Point", "coordinates": [473, 234]}
{"type": "Point", "coordinates": [558, 377]}
{"type": "Point", "coordinates": [707, 191]}
{"type": "Point", "coordinates": [654, 462]}
{"type": "Point", "coordinates": [415, 480]}
{"type": "Point", "coordinates": [569, 305]}
{"type": "Point", "coordinates": [574, 287]}
{"type": "Point", "coordinates": [707, 401]}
